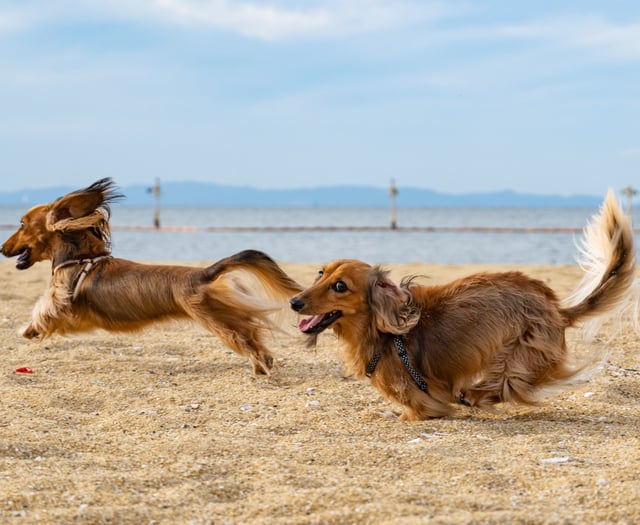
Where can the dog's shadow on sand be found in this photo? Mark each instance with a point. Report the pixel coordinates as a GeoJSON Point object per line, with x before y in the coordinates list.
{"type": "Point", "coordinates": [613, 421]}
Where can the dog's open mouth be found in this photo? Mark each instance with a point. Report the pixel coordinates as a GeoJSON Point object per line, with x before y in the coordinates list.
{"type": "Point", "coordinates": [23, 260]}
{"type": "Point", "coordinates": [317, 323]}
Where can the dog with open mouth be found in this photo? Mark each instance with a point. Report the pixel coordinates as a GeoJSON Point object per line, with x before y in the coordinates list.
{"type": "Point", "coordinates": [479, 341]}
{"type": "Point", "coordinates": [89, 289]}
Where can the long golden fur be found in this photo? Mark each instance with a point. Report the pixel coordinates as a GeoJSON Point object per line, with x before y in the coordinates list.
{"type": "Point", "coordinates": [89, 289]}
{"type": "Point", "coordinates": [481, 340]}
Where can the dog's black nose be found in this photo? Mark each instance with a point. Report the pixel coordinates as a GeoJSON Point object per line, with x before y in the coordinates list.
{"type": "Point", "coordinates": [296, 304]}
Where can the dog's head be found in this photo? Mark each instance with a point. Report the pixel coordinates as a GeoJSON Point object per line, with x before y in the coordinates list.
{"type": "Point", "coordinates": [348, 292]}
{"type": "Point", "coordinates": [76, 224]}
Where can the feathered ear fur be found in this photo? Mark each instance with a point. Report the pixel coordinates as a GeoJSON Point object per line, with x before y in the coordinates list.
{"type": "Point", "coordinates": [82, 209]}
{"type": "Point", "coordinates": [392, 305]}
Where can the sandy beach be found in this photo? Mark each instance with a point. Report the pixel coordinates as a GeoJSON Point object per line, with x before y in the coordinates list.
{"type": "Point", "coordinates": [169, 426]}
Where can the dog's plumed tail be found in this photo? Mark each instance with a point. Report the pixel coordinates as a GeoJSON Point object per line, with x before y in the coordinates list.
{"type": "Point", "coordinates": [276, 282]}
{"type": "Point", "coordinates": [607, 257]}
{"type": "Point", "coordinates": [253, 282]}
{"type": "Point", "coordinates": [247, 291]}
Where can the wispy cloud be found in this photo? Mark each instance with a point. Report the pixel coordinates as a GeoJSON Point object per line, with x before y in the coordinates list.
{"type": "Point", "coordinates": [609, 40]}
{"type": "Point", "coordinates": [293, 19]}
{"type": "Point", "coordinates": [631, 153]}
{"type": "Point", "coordinates": [271, 20]}
{"type": "Point", "coordinates": [621, 41]}
{"type": "Point", "coordinates": [276, 21]}
{"type": "Point", "coordinates": [250, 19]}
{"type": "Point", "coordinates": [15, 18]}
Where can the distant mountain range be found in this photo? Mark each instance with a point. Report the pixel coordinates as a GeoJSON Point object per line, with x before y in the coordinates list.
{"type": "Point", "coordinates": [205, 194]}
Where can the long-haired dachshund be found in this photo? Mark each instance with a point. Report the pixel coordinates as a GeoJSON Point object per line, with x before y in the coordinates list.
{"type": "Point", "coordinates": [90, 289]}
{"type": "Point", "coordinates": [480, 340]}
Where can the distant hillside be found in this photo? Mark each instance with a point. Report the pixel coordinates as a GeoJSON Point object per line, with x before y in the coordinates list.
{"type": "Point", "coordinates": [204, 194]}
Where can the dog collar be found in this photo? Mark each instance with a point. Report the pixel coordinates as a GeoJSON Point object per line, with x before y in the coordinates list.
{"type": "Point", "coordinates": [88, 264]}
{"type": "Point", "coordinates": [402, 352]}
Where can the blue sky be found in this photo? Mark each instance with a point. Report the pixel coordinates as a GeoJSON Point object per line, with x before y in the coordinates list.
{"type": "Point", "coordinates": [456, 96]}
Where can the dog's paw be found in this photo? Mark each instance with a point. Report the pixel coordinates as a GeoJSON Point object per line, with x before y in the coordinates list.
{"type": "Point", "coordinates": [460, 398]}
{"type": "Point", "coordinates": [30, 332]}
{"type": "Point", "coordinates": [389, 414]}
{"type": "Point", "coordinates": [410, 415]}
{"type": "Point", "coordinates": [263, 366]}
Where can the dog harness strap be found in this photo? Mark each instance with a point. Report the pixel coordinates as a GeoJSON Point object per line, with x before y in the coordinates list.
{"type": "Point", "coordinates": [402, 352]}
{"type": "Point", "coordinates": [371, 367]}
{"type": "Point", "coordinates": [83, 273]}
{"type": "Point", "coordinates": [88, 264]}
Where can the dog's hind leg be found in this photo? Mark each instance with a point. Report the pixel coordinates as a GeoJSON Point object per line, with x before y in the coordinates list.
{"type": "Point", "coordinates": [239, 326]}
{"type": "Point", "coordinates": [249, 345]}
{"type": "Point", "coordinates": [521, 371]}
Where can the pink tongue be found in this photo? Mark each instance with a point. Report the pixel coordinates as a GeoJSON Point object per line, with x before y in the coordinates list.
{"type": "Point", "coordinates": [309, 322]}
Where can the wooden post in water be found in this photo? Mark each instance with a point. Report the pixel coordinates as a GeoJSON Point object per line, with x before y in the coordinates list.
{"type": "Point", "coordinates": [393, 192]}
{"type": "Point", "coordinates": [629, 192]}
{"type": "Point", "coordinates": [155, 190]}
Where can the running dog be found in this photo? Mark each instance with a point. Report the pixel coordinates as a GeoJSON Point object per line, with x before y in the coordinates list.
{"type": "Point", "coordinates": [481, 340]}
{"type": "Point", "coordinates": [90, 289]}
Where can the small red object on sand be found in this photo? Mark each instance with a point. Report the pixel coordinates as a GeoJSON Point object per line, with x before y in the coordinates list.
{"type": "Point", "coordinates": [23, 370]}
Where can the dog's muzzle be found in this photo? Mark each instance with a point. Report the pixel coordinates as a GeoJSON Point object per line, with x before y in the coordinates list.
{"type": "Point", "coordinates": [24, 257]}
{"type": "Point", "coordinates": [316, 323]}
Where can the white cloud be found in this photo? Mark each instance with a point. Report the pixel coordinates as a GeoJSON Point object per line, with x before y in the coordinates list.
{"type": "Point", "coordinates": [268, 20]}
{"type": "Point", "coordinates": [272, 21]}
{"type": "Point", "coordinates": [287, 19]}
{"type": "Point", "coordinates": [262, 21]}
{"type": "Point", "coordinates": [614, 41]}
{"type": "Point", "coordinates": [621, 41]}
{"type": "Point", "coordinates": [631, 153]}
{"type": "Point", "coordinates": [15, 18]}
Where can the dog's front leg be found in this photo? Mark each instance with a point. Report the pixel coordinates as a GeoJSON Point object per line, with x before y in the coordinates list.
{"type": "Point", "coordinates": [52, 313]}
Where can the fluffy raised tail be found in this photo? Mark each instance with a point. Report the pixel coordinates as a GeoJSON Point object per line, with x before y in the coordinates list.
{"type": "Point", "coordinates": [607, 257]}
{"type": "Point", "coordinates": [273, 278]}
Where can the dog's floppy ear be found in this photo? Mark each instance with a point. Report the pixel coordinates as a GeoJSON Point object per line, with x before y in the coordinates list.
{"type": "Point", "coordinates": [84, 208]}
{"type": "Point", "coordinates": [392, 307]}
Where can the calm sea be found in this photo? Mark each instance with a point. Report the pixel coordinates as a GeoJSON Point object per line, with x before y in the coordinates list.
{"type": "Point", "coordinates": [386, 246]}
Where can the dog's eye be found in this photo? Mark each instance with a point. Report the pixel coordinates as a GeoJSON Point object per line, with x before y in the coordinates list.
{"type": "Point", "coordinates": [339, 286]}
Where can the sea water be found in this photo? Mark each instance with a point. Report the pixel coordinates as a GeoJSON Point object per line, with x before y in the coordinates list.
{"type": "Point", "coordinates": [191, 234]}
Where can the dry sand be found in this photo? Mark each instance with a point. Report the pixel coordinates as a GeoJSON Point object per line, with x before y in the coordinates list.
{"type": "Point", "coordinates": [169, 426]}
